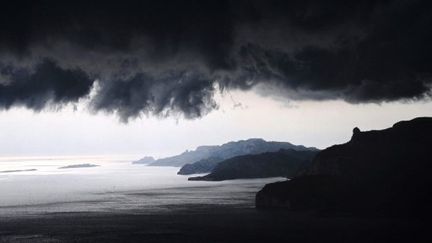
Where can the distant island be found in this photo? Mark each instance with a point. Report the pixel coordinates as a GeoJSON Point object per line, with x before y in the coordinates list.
{"type": "Point", "coordinates": [284, 163]}
{"type": "Point", "coordinates": [12, 171]}
{"type": "Point", "coordinates": [78, 166]}
{"type": "Point", "coordinates": [209, 156]}
{"type": "Point", "coordinates": [384, 172]}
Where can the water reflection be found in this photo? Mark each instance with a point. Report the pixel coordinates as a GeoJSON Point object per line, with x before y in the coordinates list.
{"type": "Point", "coordinates": [115, 185]}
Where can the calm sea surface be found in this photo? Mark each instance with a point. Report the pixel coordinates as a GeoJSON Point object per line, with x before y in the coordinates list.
{"type": "Point", "coordinates": [37, 185]}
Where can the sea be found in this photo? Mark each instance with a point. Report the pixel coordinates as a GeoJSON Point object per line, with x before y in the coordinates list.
{"type": "Point", "coordinates": [31, 186]}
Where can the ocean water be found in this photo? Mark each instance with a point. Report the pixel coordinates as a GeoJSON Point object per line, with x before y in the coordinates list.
{"type": "Point", "coordinates": [37, 185]}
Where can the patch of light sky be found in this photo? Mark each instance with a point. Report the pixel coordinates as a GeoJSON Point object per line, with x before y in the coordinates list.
{"type": "Point", "coordinates": [241, 115]}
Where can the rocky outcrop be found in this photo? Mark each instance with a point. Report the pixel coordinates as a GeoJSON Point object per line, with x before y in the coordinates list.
{"type": "Point", "coordinates": [320, 191]}
{"type": "Point", "coordinates": [385, 171]}
{"type": "Point", "coordinates": [284, 163]}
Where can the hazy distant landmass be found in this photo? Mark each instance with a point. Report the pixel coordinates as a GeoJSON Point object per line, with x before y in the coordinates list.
{"type": "Point", "coordinates": [284, 163]}
{"type": "Point", "coordinates": [12, 171]}
{"type": "Point", "coordinates": [145, 160]}
{"type": "Point", "coordinates": [257, 146]}
{"type": "Point", "coordinates": [78, 166]}
{"type": "Point", "coordinates": [226, 151]}
{"type": "Point", "coordinates": [385, 171]}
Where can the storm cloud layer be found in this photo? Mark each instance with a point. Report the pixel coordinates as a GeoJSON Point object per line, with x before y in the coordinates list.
{"type": "Point", "coordinates": [170, 57]}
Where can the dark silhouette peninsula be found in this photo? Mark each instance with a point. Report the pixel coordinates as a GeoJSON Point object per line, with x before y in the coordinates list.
{"type": "Point", "coordinates": [384, 172]}
{"type": "Point", "coordinates": [284, 163]}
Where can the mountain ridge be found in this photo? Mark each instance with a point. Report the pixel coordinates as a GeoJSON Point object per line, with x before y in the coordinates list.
{"type": "Point", "coordinates": [226, 151]}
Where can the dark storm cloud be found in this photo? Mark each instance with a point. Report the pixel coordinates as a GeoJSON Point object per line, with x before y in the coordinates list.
{"type": "Point", "coordinates": [161, 58]}
{"type": "Point", "coordinates": [188, 93]}
{"type": "Point", "coordinates": [46, 84]}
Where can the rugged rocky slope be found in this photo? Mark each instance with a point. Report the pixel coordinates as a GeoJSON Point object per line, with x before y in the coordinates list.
{"type": "Point", "coordinates": [385, 171]}
{"type": "Point", "coordinates": [284, 163]}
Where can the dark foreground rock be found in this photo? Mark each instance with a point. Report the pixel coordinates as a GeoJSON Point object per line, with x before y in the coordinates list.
{"type": "Point", "coordinates": [284, 163]}
{"type": "Point", "coordinates": [385, 172]}
{"type": "Point", "coordinates": [307, 192]}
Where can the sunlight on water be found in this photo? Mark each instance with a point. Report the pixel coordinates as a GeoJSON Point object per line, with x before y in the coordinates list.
{"type": "Point", "coordinates": [38, 185]}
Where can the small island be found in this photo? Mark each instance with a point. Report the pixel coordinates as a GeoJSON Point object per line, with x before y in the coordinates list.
{"type": "Point", "coordinates": [13, 171]}
{"type": "Point", "coordinates": [87, 165]}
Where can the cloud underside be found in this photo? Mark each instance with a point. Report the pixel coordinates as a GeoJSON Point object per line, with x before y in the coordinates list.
{"type": "Point", "coordinates": [161, 58]}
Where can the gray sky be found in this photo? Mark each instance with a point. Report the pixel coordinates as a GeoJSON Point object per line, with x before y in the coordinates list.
{"type": "Point", "coordinates": [241, 115]}
{"type": "Point", "coordinates": [150, 57]}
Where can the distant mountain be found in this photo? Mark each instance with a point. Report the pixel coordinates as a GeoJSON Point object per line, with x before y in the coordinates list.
{"type": "Point", "coordinates": [145, 160]}
{"type": "Point", "coordinates": [385, 171]}
{"type": "Point", "coordinates": [226, 151]}
{"type": "Point", "coordinates": [284, 163]}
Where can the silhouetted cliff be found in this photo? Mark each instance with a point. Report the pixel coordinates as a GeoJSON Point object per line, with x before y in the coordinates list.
{"type": "Point", "coordinates": [385, 171]}
{"type": "Point", "coordinates": [284, 163]}
{"type": "Point", "coordinates": [201, 166]}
